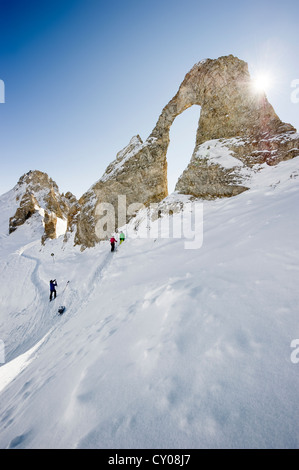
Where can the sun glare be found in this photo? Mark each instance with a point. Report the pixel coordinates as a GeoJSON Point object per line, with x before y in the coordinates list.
{"type": "Point", "coordinates": [262, 82]}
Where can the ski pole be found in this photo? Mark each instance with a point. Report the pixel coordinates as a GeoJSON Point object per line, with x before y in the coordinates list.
{"type": "Point", "coordinates": [65, 286]}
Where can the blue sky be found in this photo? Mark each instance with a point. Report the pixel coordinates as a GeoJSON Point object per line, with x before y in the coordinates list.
{"type": "Point", "coordinates": [83, 76]}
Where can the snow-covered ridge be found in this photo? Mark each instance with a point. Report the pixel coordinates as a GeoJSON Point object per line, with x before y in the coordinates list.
{"type": "Point", "coordinates": [216, 151]}
{"type": "Point", "coordinates": [133, 147]}
{"type": "Point", "coordinates": [219, 151]}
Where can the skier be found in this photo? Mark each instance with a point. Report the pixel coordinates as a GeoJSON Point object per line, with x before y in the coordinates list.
{"type": "Point", "coordinates": [112, 243]}
{"type": "Point", "coordinates": [121, 238]}
{"type": "Point", "coordinates": [53, 284]}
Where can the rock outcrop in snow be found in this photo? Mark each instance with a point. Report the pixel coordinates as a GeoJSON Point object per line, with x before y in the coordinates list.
{"type": "Point", "coordinates": [238, 129]}
{"type": "Point", "coordinates": [36, 193]}
{"type": "Point", "coordinates": [138, 173]}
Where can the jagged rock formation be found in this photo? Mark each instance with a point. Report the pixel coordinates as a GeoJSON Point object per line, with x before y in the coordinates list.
{"type": "Point", "coordinates": [138, 174]}
{"type": "Point", "coordinates": [28, 206]}
{"type": "Point", "coordinates": [72, 214]}
{"type": "Point", "coordinates": [237, 129]}
{"type": "Point", "coordinates": [36, 193]}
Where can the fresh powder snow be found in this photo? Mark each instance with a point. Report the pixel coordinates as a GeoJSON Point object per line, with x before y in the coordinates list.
{"type": "Point", "coordinates": [159, 346]}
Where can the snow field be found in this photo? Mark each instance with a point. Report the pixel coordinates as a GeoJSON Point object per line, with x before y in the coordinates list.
{"type": "Point", "coordinates": [159, 346]}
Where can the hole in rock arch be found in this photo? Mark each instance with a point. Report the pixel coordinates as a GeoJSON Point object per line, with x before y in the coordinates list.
{"type": "Point", "coordinates": [182, 137]}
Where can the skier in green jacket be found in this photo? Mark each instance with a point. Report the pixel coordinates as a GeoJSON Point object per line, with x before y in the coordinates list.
{"type": "Point", "coordinates": [121, 237]}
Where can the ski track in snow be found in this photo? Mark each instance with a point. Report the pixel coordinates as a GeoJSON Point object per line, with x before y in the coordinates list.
{"type": "Point", "coordinates": [42, 321]}
{"type": "Point", "coordinates": [38, 323]}
{"type": "Point", "coordinates": [42, 315]}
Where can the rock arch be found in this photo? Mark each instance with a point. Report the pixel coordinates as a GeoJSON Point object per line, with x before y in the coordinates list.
{"type": "Point", "coordinates": [234, 122]}
{"type": "Point", "coordinates": [182, 134]}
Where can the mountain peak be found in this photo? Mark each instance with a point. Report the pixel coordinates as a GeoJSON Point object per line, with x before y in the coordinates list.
{"type": "Point", "coordinates": [37, 193]}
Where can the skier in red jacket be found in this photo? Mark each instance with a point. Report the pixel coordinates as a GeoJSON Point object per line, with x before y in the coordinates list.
{"type": "Point", "coordinates": [112, 243]}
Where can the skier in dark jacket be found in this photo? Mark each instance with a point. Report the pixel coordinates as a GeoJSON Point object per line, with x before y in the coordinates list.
{"type": "Point", "coordinates": [53, 284]}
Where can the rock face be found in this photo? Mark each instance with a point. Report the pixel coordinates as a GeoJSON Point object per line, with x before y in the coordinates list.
{"type": "Point", "coordinates": [237, 129]}
{"type": "Point", "coordinates": [138, 176]}
{"type": "Point", "coordinates": [36, 193]}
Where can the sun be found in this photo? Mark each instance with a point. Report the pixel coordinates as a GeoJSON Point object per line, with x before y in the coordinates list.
{"type": "Point", "coordinates": [262, 82]}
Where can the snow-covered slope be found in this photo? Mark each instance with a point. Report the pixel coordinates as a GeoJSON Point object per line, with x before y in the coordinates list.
{"type": "Point", "coordinates": [160, 346]}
